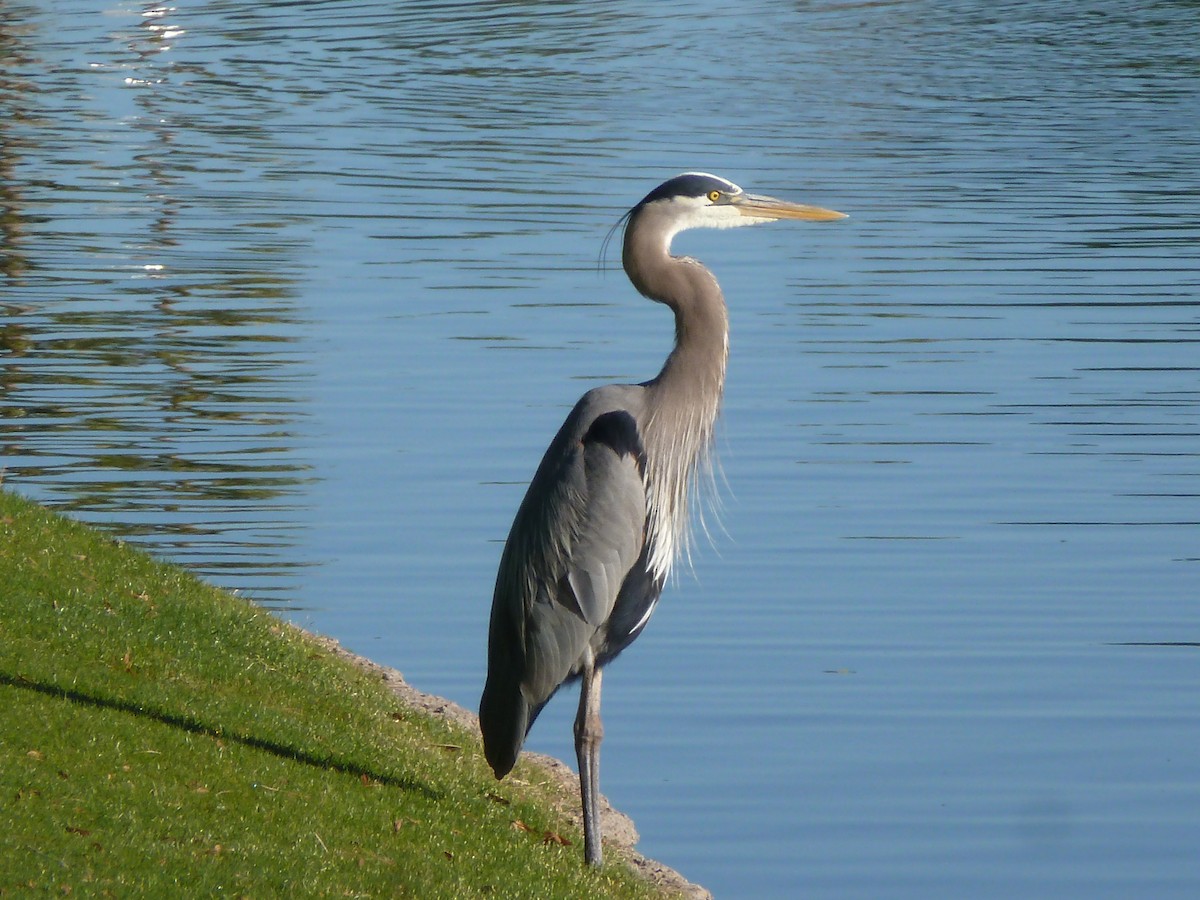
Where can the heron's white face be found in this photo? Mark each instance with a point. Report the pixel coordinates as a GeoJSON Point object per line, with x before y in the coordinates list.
{"type": "Point", "coordinates": [725, 205]}
{"type": "Point", "coordinates": [714, 209]}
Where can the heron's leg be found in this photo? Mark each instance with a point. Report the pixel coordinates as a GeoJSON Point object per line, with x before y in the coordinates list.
{"type": "Point", "coordinates": [588, 734]}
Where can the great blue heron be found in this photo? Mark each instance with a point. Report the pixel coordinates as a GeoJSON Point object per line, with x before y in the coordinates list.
{"type": "Point", "coordinates": [606, 514]}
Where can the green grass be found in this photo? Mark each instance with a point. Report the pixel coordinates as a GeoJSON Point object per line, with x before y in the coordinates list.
{"type": "Point", "coordinates": [161, 737]}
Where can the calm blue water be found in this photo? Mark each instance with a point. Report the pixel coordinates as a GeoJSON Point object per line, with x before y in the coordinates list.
{"type": "Point", "coordinates": [296, 293]}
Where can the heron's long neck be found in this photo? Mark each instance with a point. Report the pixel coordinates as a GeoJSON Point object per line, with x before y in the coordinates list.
{"type": "Point", "coordinates": [685, 397]}
{"type": "Point", "coordinates": [693, 377]}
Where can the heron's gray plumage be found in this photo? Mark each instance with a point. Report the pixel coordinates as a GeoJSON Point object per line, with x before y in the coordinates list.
{"type": "Point", "coordinates": [685, 397]}
{"type": "Point", "coordinates": [606, 514]}
{"type": "Point", "coordinates": [577, 535]}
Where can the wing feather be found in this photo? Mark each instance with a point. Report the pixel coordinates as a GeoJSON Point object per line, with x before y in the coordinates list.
{"type": "Point", "coordinates": [612, 525]}
{"type": "Point", "coordinates": [577, 534]}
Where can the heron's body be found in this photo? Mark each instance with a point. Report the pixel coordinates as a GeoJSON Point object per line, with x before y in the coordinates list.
{"type": "Point", "coordinates": [590, 594]}
{"type": "Point", "coordinates": [606, 513]}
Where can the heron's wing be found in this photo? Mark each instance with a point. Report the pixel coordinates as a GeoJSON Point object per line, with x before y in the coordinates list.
{"type": "Point", "coordinates": [578, 532]}
{"type": "Point", "coordinates": [584, 531]}
{"type": "Point", "coordinates": [612, 521]}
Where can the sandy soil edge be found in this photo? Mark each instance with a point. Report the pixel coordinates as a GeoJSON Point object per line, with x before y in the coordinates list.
{"type": "Point", "coordinates": [620, 835]}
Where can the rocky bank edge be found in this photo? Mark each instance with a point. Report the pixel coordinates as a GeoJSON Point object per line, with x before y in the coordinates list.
{"type": "Point", "coordinates": [620, 835]}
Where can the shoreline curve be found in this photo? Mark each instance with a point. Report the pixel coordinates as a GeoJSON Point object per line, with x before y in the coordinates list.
{"type": "Point", "coordinates": [620, 834]}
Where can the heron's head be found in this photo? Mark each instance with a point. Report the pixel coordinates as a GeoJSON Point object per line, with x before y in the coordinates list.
{"type": "Point", "coordinates": [701, 200]}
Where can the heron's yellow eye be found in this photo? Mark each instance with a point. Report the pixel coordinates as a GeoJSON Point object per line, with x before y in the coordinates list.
{"type": "Point", "coordinates": [714, 196]}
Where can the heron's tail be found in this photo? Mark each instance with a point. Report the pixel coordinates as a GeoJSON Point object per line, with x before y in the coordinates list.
{"type": "Point", "coordinates": [504, 720]}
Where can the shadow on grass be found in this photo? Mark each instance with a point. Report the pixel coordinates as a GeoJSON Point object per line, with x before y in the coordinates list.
{"type": "Point", "coordinates": [196, 727]}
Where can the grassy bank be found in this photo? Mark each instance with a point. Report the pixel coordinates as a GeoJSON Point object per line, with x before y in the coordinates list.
{"type": "Point", "coordinates": [159, 736]}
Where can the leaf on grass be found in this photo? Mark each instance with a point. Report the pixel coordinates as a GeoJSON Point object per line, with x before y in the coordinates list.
{"type": "Point", "coordinates": [82, 832]}
{"type": "Point", "coordinates": [496, 798]}
{"type": "Point", "coordinates": [36, 754]}
{"type": "Point", "coordinates": [553, 837]}
{"type": "Point", "coordinates": [520, 826]}
{"type": "Point", "coordinates": [448, 855]}
{"type": "Point", "coordinates": [449, 748]}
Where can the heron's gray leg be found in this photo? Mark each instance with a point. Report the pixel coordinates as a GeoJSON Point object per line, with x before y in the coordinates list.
{"type": "Point", "coordinates": [588, 734]}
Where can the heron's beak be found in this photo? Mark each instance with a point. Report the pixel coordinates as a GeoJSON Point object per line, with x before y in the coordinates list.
{"type": "Point", "coordinates": [758, 207]}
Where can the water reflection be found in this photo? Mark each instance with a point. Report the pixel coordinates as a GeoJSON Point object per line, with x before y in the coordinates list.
{"type": "Point", "coordinates": [16, 103]}
{"type": "Point", "coordinates": [151, 375]}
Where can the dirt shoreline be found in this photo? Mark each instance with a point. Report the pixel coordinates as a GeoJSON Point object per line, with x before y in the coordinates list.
{"type": "Point", "coordinates": [620, 835]}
